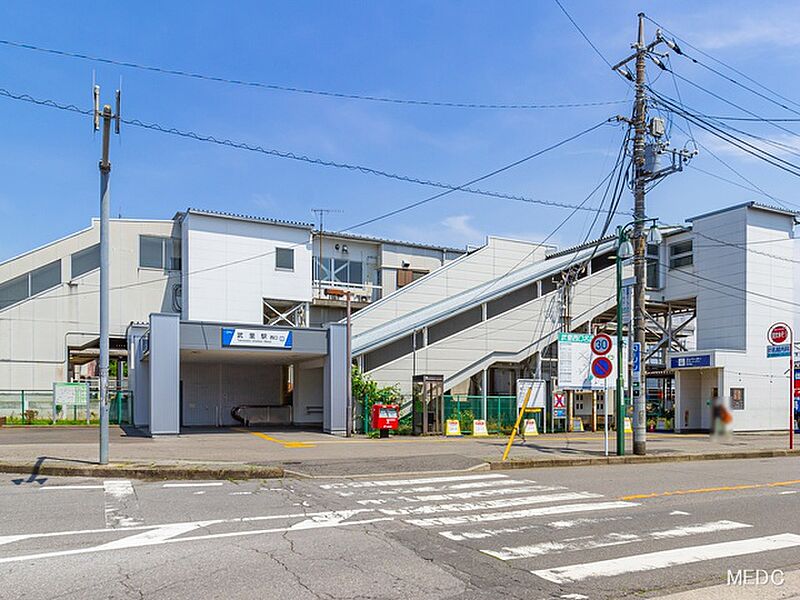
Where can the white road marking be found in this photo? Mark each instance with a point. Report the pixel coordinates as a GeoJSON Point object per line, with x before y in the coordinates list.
{"type": "Point", "coordinates": [200, 493]}
{"type": "Point", "coordinates": [667, 558]}
{"type": "Point", "coordinates": [187, 485]}
{"type": "Point", "coordinates": [521, 514]}
{"type": "Point", "coordinates": [240, 493]}
{"type": "Point", "coordinates": [489, 504]}
{"type": "Point", "coordinates": [678, 512]}
{"type": "Point", "coordinates": [71, 487]}
{"type": "Point", "coordinates": [155, 539]}
{"type": "Point", "coordinates": [391, 482]}
{"type": "Point", "coordinates": [686, 530]}
{"type": "Point", "coordinates": [483, 493]}
{"type": "Point", "coordinates": [788, 492]}
{"type": "Point", "coordinates": [612, 539]}
{"type": "Point", "coordinates": [574, 597]}
{"type": "Point", "coordinates": [120, 504]}
{"type": "Point", "coordinates": [321, 515]}
{"type": "Point", "coordinates": [440, 488]}
{"type": "Point", "coordinates": [482, 534]}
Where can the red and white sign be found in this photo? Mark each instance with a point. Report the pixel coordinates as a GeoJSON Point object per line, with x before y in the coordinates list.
{"type": "Point", "coordinates": [558, 400]}
{"type": "Point", "coordinates": [601, 344]}
{"type": "Point", "coordinates": [778, 334]}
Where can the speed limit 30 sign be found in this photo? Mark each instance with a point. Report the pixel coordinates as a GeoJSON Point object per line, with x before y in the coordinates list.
{"type": "Point", "coordinates": [601, 344]}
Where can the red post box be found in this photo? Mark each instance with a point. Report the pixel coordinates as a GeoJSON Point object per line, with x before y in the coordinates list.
{"type": "Point", "coordinates": [385, 417]}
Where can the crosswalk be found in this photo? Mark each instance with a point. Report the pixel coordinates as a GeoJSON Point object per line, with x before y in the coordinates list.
{"type": "Point", "coordinates": [553, 531]}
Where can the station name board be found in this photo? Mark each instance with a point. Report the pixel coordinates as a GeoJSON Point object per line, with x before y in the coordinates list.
{"type": "Point", "coordinates": [256, 338]}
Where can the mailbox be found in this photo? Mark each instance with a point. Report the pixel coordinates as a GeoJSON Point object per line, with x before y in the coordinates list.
{"type": "Point", "coordinates": [385, 417]}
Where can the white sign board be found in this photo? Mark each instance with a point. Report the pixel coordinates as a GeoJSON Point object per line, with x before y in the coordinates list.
{"type": "Point", "coordinates": [70, 394]}
{"type": "Point", "coordinates": [575, 362]}
{"type": "Point", "coordinates": [257, 338]}
{"type": "Point", "coordinates": [537, 388]}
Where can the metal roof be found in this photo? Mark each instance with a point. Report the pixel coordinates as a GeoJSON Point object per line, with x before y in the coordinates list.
{"type": "Point", "coordinates": [370, 238]}
{"type": "Point", "coordinates": [751, 204]}
{"type": "Point", "coordinates": [240, 217]}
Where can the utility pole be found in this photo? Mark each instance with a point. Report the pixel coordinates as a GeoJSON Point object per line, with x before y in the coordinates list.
{"type": "Point", "coordinates": [639, 271]}
{"type": "Point", "coordinates": [646, 169]}
{"type": "Point", "coordinates": [105, 200]}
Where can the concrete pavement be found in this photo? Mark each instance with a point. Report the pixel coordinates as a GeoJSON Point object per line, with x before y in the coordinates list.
{"type": "Point", "coordinates": [634, 531]}
{"type": "Point", "coordinates": [226, 452]}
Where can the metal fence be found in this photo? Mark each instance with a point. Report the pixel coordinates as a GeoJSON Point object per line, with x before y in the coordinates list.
{"type": "Point", "coordinates": [35, 407]}
{"type": "Point", "coordinates": [501, 411]}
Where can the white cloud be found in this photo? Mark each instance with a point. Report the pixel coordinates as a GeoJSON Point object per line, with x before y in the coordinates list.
{"type": "Point", "coordinates": [750, 31]}
{"type": "Point", "coordinates": [459, 226]}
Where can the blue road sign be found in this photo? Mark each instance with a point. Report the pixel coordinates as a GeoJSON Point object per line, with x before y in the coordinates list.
{"type": "Point", "coordinates": [601, 367]}
{"type": "Point", "coordinates": [778, 351]}
{"type": "Point", "coordinates": [559, 413]}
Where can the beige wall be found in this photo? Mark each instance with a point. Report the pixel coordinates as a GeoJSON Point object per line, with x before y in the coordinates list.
{"type": "Point", "coordinates": [34, 333]}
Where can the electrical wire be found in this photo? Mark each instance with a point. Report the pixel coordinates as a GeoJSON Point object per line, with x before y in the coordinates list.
{"type": "Point", "coordinates": [731, 139]}
{"type": "Point", "coordinates": [583, 35]}
{"type": "Point", "coordinates": [724, 64]}
{"type": "Point", "coordinates": [299, 90]}
{"type": "Point", "coordinates": [754, 187]}
{"type": "Point", "coordinates": [318, 161]}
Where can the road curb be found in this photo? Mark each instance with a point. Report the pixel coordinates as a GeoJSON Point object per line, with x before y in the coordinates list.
{"type": "Point", "coordinates": [588, 461]}
{"type": "Point", "coordinates": [145, 472]}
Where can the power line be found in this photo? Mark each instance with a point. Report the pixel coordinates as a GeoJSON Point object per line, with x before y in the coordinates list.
{"type": "Point", "coordinates": [753, 188]}
{"type": "Point", "coordinates": [724, 64]}
{"type": "Point", "coordinates": [298, 90]}
{"type": "Point", "coordinates": [731, 139]}
{"type": "Point", "coordinates": [482, 177]}
{"type": "Point", "coordinates": [314, 160]}
{"type": "Point", "coordinates": [583, 35]}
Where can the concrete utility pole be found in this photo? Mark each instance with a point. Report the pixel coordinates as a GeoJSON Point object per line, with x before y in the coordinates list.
{"type": "Point", "coordinates": [639, 244]}
{"type": "Point", "coordinates": [105, 200]}
{"type": "Point", "coordinates": [644, 173]}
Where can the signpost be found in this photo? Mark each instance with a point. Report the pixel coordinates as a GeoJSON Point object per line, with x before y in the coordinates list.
{"type": "Point", "coordinates": [601, 369]}
{"type": "Point", "coordinates": [781, 342]}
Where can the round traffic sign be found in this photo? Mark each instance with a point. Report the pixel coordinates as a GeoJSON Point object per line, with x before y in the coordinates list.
{"type": "Point", "coordinates": [778, 334]}
{"type": "Point", "coordinates": [601, 367]}
{"type": "Point", "coordinates": [601, 344]}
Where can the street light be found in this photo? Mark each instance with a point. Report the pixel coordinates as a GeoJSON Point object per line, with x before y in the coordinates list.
{"type": "Point", "coordinates": [624, 251]}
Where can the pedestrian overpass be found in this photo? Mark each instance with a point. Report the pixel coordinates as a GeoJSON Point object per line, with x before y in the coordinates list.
{"type": "Point", "coordinates": [501, 303]}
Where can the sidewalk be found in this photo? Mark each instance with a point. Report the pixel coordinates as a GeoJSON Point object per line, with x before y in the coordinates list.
{"type": "Point", "coordinates": [239, 452]}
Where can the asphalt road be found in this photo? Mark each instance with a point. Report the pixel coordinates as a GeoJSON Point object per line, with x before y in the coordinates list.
{"type": "Point", "coordinates": [572, 533]}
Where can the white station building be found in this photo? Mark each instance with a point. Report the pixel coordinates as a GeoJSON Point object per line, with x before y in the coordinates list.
{"type": "Point", "coordinates": [178, 288]}
{"type": "Point", "coordinates": [216, 311]}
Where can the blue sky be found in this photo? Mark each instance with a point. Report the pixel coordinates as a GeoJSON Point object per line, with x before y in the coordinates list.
{"type": "Point", "coordinates": [497, 52]}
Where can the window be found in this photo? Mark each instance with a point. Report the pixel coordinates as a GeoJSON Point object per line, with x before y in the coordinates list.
{"type": "Point", "coordinates": [338, 270]}
{"type": "Point", "coordinates": [31, 283]}
{"type": "Point", "coordinates": [406, 276]}
{"type": "Point", "coordinates": [284, 259]}
{"type": "Point", "coordinates": [737, 398]}
{"type": "Point", "coordinates": [680, 254]}
{"type": "Point", "coordinates": [13, 291]}
{"type": "Point", "coordinates": [45, 277]}
{"type": "Point", "coordinates": [159, 253]}
{"type": "Point", "coordinates": [85, 260]}
{"type": "Point", "coordinates": [653, 266]}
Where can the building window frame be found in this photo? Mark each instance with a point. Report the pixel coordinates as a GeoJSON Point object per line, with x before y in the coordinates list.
{"type": "Point", "coordinates": [681, 254]}
{"type": "Point", "coordinates": [284, 259]}
{"type": "Point", "coordinates": [27, 286]}
{"type": "Point", "coordinates": [339, 270]}
{"type": "Point", "coordinates": [169, 250]}
{"type": "Point", "coordinates": [737, 398]}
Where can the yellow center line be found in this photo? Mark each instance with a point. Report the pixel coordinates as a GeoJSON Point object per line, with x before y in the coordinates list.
{"type": "Point", "coordinates": [724, 488]}
{"type": "Point", "coordinates": [283, 443]}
